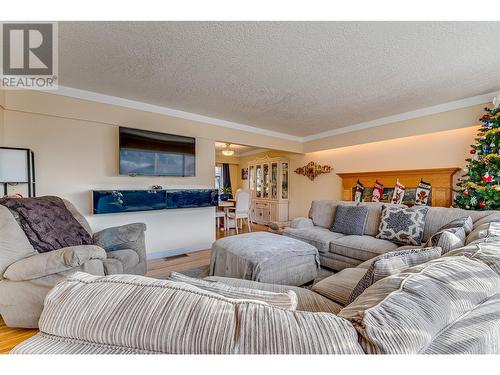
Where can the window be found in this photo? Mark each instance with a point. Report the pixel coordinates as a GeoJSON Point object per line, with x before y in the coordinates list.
{"type": "Point", "coordinates": [218, 178]}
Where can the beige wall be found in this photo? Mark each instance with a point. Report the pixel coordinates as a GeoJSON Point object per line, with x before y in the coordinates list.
{"type": "Point", "coordinates": [73, 157]}
{"type": "Point", "coordinates": [460, 118]}
{"type": "Point", "coordinates": [436, 150]}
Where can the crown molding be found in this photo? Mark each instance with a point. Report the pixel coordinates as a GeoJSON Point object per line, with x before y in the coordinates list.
{"type": "Point", "coordinates": [445, 107]}
{"type": "Point", "coordinates": [142, 106]}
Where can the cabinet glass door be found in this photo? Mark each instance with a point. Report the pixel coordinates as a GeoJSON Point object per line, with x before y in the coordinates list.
{"type": "Point", "coordinates": [258, 181]}
{"type": "Point", "coordinates": [274, 180]}
{"type": "Point", "coordinates": [284, 180]}
{"type": "Point", "coordinates": [251, 178]}
{"type": "Point", "coordinates": [265, 180]}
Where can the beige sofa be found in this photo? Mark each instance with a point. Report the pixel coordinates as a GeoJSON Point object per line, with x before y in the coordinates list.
{"type": "Point", "coordinates": [338, 251]}
{"type": "Point", "coordinates": [26, 276]}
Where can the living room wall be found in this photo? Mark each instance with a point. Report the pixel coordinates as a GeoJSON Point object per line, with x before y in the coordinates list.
{"type": "Point", "coordinates": [76, 147]}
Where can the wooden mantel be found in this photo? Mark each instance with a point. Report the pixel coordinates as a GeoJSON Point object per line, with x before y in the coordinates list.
{"type": "Point", "coordinates": [441, 180]}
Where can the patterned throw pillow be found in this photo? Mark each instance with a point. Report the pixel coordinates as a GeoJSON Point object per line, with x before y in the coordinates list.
{"type": "Point", "coordinates": [393, 263]}
{"type": "Point", "coordinates": [464, 222]}
{"type": "Point", "coordinates": [402, 225]}
{"type": "Point", "coordinates": [448, 239]}
{"type": "Point", "coordinates": [350, 220]}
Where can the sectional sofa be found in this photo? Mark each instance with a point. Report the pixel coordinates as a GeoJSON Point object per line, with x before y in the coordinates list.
{"type": "Point", "coordinates": [338, 251]}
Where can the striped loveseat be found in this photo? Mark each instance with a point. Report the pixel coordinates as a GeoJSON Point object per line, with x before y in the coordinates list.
{"type": "Point", "coordinates": [449, 305]}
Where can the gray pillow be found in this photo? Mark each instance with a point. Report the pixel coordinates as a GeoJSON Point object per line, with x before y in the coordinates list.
{"type": "Point", "coordinates": [350, 220]}
{"type": "Point", "coordinates": [403, 226]}
{"type": "Point", "coordinates": [448, 239]}
{"type": "Point", "coordinates": [393, 263]}
{"type": "Point", "coordinates": [464, 222]}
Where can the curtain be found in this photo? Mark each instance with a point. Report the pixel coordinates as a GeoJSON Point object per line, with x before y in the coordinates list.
{"type": "Point", "coordinates": [226, 176]}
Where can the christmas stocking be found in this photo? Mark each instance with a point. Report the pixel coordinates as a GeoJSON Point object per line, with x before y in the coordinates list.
{"type": "Point", "coordinates": [422, 193]}
{"type": "Point", "coordinates": [399, 192]}
{"type": "Point", "coordinates": [378, 190]}
{"type": "Point", "coordinates": [358, 192]}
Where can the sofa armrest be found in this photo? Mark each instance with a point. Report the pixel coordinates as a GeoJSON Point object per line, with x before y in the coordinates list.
{"type": "Point", "coordinates": [128, 236]}
{"type": "Point", "coordinates": [301, 223]}
{"type": "Point", "coordinates": [52, 262]}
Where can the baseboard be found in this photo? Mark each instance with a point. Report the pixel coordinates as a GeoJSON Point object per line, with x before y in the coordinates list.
{"type": "Point", "coordinates": [179, 251]}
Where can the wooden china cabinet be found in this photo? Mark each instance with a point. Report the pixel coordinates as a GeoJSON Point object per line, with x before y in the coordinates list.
{"type": "Point", "coordinates": [268, 181]}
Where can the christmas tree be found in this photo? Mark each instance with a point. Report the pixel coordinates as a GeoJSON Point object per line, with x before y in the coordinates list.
{"type": "Point", "coordinates": [479, 187]}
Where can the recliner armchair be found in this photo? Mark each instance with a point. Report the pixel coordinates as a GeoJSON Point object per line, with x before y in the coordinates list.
{"type": "Point", "coordinates": [26, 276]}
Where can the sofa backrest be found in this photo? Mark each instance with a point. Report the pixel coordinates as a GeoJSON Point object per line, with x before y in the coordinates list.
{"type": "Point", "coordinates": [161, 316]}
{"type": "Point", "coordinates": [428, 308]}
{"type": "Point", "coordinates": [440, 216]}
{"type": "Point", "coordinates": [77, 215]}
{"type": "Point", "coordinates": [14, 245]}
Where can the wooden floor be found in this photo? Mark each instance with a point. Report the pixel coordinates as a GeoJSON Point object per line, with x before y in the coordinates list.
{"type": "Point", "coordinates": [157, 268]}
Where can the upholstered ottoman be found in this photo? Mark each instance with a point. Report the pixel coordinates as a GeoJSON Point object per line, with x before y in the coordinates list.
{"type": "Point", "coordinates": [265, 257]}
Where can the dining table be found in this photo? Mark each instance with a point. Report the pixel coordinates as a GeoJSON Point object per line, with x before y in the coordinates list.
{"type": "Point", "coordinates": [226, 205]}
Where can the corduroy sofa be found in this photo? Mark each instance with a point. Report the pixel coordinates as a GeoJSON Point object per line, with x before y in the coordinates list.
{"type": "Point", "coordinates": [338, 251]}
{"type": "Point", "coordinates": [26, 276]}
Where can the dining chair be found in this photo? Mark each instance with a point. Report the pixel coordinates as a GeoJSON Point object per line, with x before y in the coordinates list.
{"type": "Point", "coordinates": [241, 210]}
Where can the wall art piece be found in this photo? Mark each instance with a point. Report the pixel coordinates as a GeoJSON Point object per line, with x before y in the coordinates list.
{"type": "Point", "coordinates": [313, 170]}
{"type": "Point", "coordinates": [244, 173]}
{"type": "Point", "coordinates": [423, 193]}
{"type": "Point", "coordinates": [398, 194]}
{"type": "Point", "coordinates": [378, 191]}
{"type": "Point", "coordinates": [358, 192]}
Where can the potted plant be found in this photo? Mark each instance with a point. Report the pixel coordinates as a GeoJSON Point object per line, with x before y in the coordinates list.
{"type": "Point", "coordinates": [225, 193]}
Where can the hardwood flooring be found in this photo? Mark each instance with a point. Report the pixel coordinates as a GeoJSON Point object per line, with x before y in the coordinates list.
{"type": "Point", "coordinates": [157, 268]}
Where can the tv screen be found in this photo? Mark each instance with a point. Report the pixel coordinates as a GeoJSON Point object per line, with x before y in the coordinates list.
{"type": "Point", "coordinates": [148, 153]}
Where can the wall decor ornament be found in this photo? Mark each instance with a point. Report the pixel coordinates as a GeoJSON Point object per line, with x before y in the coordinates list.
{"type": "Point", "coordinates": [398, 194]}
{"type": "Point", "coordinates": [358, 194]}
{"type": "Point", "coordinates": [378, 191]}
{"type": "Point", "coordinates": [313, 170]}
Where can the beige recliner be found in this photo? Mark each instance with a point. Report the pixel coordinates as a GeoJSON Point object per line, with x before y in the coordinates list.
{"type": "Point", "coordinates": [26, 276]}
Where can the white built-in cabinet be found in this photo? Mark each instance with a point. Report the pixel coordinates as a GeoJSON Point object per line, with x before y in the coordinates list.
{"type": "Point", "coordinates": [268, 181]}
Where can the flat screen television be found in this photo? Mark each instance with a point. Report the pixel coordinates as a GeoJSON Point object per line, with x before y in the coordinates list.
{"type": "Point", "coordinates": [148, 153]}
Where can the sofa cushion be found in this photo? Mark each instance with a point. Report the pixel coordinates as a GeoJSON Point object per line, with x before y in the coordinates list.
{"type": "Point", "coordinates": [322, 212]}
{"type": "Point", "coordinates": [14, 244]}
{"type": "Point", "coordinates": [350, 220]}
{"type": "Point", "coordinates": [393, 263]}
{"type": "Point", "coordinates": [404, 226]}
{"type": "Point", "coordinates": [286, 300]}
{"type": "Point", "coordinates": [127, 257]}
{"type": "Point", "coordinates": [361, 247]}
{"type": "Point", "coordinates": [483, 231]}
{"type": "Point", "coordinates": [319, 237]}
{"type": "Point", "coordinates": [462, 222]}
{"type": "Point", "coordinates": [339, 286]}
{"type": "Point", "coordinates": [405, 313]}
{"type": "Point", "coordinates": [448, 239]}
{"type": "Point", "coordinates": [486, 252]}
{"type": "Point", "coordinates": [307, 300]}
{"type": "Point", "coordinates": [159, 316]}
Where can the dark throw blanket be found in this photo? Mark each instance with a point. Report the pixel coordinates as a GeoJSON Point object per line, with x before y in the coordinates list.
{"type": "Point", "coordinates": [48, 224]}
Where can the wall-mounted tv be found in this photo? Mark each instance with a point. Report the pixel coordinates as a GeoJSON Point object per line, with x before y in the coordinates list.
{"type": "Point", "coordinates": [147, 153]}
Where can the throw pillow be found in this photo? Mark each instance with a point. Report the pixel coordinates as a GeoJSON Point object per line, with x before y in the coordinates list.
{"type": "Point", "coordinates": [350, 220]}
{"type": "Point", "coordinates": [465, 222]}
{"type": "Point", "coordinates": [404, 226]}
{"type": "Point", "coordinates": [448, 239]}
{"type": "Point", "coordinates": [483, 232]}
{"type": "Point", "coordinates": [286, 300]}
{"type": "Point", "coordinates": [393, 263]}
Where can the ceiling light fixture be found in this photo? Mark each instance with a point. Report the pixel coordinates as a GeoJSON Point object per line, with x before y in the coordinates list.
{"type": "Point", "coordinates": [227, 151]}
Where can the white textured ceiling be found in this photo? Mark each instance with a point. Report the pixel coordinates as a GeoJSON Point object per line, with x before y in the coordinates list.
{"type": "Point", "coordinates": [298, 78]}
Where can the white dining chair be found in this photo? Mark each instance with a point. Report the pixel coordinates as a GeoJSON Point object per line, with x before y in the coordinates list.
{"type": "Point", "coordinates": [241, 211]}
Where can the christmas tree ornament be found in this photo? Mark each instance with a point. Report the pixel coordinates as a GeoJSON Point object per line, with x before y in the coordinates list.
{"type": "Point", "coordinates": [487, 177]}
{"type": "Point", "coordinates": [358, 192]}
{"type": "Point", "coordinates": [482, 204]}
{"type": "Point", "coordinates": [473, 201]}
{"type": "Point", "coordinates": [378, 191]}
{"type": "Point", "coordinates": [466, 170]}
{"type": "Point", "coordinates": [398, 194]}
{"type": "Point", "coordinates": [466, 192]}
{"type": "Point", "coordinates": [422, 193]}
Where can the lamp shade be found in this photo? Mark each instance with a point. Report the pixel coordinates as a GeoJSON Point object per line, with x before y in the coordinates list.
{"type": "Point", "coordinates": [13, 165]}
